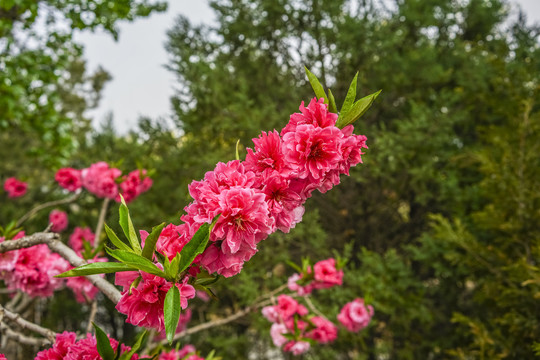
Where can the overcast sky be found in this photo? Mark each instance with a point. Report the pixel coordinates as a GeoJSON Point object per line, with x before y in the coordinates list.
{"type": "Point", "coordinates": [141, 86]}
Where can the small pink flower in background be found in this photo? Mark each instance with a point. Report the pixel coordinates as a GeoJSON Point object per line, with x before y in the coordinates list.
{"type": "Point", "coordinates": [3, 357]}
{"type": "Point", "coordinates": [326, 274]}
{"type": "Point", "coordinates": [59, 220]}
{"type": "Point", "coordinates": [296, 347]}
{"type": "Point", "coordinates": [15, 188]}
{"type": "Point", "coordinates": [77, 238]}
{"type": "Point", "coordinates": [133, 185]}
{"type": "Point", "coordinates": [100, 180]}
{"type": "Point", "coordinates": [355, 315]}
{"type": "Point", "coordinates": [300, 290]}
{"type": "Point", "coordinates": [144, 305]}
{"type": "Point", "coordinates": [325, 331]}
{"type": "Point", "coordinates": [69, 179]}
{"type": "Point", "coordinates": [276, 332]}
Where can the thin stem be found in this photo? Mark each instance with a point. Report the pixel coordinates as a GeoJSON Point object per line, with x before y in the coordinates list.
{"type": "Point", "coordinates": [101, 221]}
{"type": "Point", "coordinates": [93, 312]}
{"type": "Point", "coordinates": [312, 307]}
{"type": "Point", "coordinates": [38, 208]}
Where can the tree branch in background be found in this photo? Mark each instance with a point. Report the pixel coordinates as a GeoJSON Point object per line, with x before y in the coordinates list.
{"type": "Point", "coordinates": [38, 208]}
{"type": "Point", "coordinates": [51, 239]}
{"type": "Point", "coordinates": [25, 324]}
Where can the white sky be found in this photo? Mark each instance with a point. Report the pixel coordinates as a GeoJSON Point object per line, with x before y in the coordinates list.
{"type": "Point", "coordinates": [141, 86]}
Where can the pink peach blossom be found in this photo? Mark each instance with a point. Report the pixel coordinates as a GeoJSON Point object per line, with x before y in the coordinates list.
{"type": "Point", "coordinates": [15, 188]}
{"type": "Point", "coordinates": [326, 274]}
{"type": "Point", "coordinates": [59, 220]}
{"type": "Point", "coordinates": [100, 180]}
{"type": "Point", "coordinates": [316, 114]}
{"type": "Point", "coordinates": [355, 315]}
{"type": "Point", "coordinates": [69, 179]}
{"type": "Point", "coordinates": [325, 331]}
{"type": "Point", "coordinates": [143, 305]}
{"type": "Point", "coordinates": [77, 238]}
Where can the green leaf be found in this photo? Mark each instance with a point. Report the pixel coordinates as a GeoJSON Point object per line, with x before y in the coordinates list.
{"type": "Point", "coordinates": [138, 343]}
{"type": "Point", "coordinates": [97, 268]}
{"type": "Point", "coordinates": [115, 240]}
{"type": "Point", "coordinates": [136, 261]}
{"type": "Point", "coordinates": [332, 106]}
{"type": "Point", "coordinates": [316, 85]}
{"type": "Point", "coordinates": [174, 266]}
{"type": "Point", "coordinates": [196, 245]}
{"type": "Point", "coordinates": [151, 240]}
{"type": "Point", "coordinates": [127, 227]}
{"type": "Point", "coordinates": [357, 110]}
{"type": "Point", "coordinates": [171, 311]}
{"type": "Point", "coordinates": [349, 99]}
{"type": "Point", "coordinates": [238, 150]}
{"type": "Point", "coordinates": [104, 347]}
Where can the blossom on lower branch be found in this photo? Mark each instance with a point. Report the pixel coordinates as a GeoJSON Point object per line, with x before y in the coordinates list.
{"type": "Point", "coordinates": [66, 347]}
{"type": "Point", "coordinates": [143, 304]}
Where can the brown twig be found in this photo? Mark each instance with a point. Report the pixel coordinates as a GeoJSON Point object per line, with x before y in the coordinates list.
{"type": "Point", "coordinates": [38, 208]}
{"type": "Point", "coordinates": [25, 324]}
{"type": "Point", "coordinates": [23, 339]}
{"type": "Point", "coordinates": [218, 322]}
{"type": "Point", "coordinates": [93, 312]}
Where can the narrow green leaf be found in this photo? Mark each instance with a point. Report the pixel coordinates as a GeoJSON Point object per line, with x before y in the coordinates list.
{"type": "Point", "coordinates": [136, 261]}
{"type": "Point", "coordinates": [349, 99]}
{"type": "Point", "coordinates": [316, 85]}
{"type": "Point", "coordinates": [115, 240]}
{"type": "Point", "coordinates": [104, 347]}
{"type": "Point", "coordinates": [196, 245]}
{"type": "Point", "coordinates": [151, 240]}
{"type": "Point", "coordinates": [127, 227]}
{"type": "Point", "coordinates": [173, 267]}
{"type": "Point", "coordinates": [171, 312]}
{"type": "Point", "coordinates": [332, 105]}
{"type": "Point", "coordinates": [294, 266]}
{"type": "Point", "coordinates": [358, 109]}
{"type": "Point", "coordinates": [238, 150]}
{"type": "Point", "coordinates": [141, 338]}
{"type": "Point", "coordinates": [97, 268]}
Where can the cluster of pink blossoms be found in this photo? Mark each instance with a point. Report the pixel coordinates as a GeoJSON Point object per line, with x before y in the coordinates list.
{"type": "Point", "coordinates": [14, 187]}
{"type": "Point", "coordinates": [267, 191]}
{"type": "Point", "coordinates": [323, 276]}
{"type": "Point", "coordinates": [104, 181]}
{"type": "Point", "coordinates": [188, 352]}
{"type": "Point", "coordinates": [293, 329]}
{"type": "Point", "coordinates": [254, 198]}
{"type": "Point", "coordinates": [32, 269]}
{"type": "Point", "coordinates": [66, 347]}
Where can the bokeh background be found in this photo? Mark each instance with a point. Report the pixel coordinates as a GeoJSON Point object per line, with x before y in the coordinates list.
{"type": "Point", "coordinates": [441, 224]}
